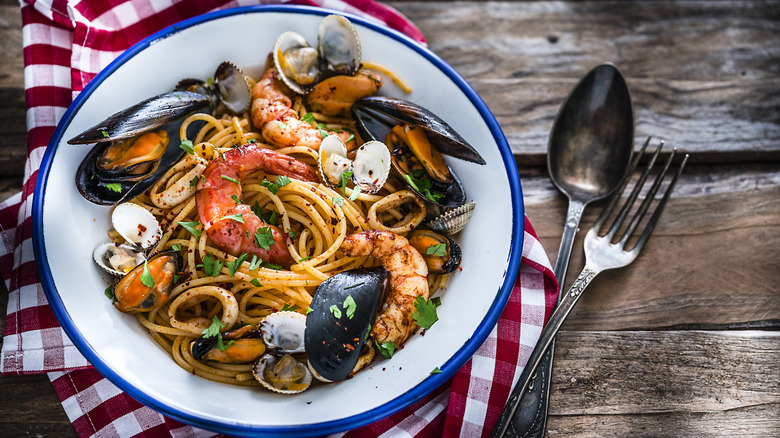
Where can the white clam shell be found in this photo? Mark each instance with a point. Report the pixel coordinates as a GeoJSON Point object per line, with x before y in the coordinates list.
{"type": "Point", "coordinates": [109, 255]}
{"type": "Point", "coordinates": [333, 161]}
{"type": "Point", "coordinates": [284, 331]}
{"type": "Point", "coordinates": [371, 166]}
{"type": "Point", "coordinates": [136, 225]}
{"type": "Point", "coordinates": [296, 62]}
{"type": "Point", "coordinates": [338, 45]}
{"type": "Point", "coordinates": [453, 221]}
{"type": "Point", "coordinates": [269, 360]}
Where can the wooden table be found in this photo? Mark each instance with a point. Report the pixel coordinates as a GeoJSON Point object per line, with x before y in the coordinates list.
{"type": "Point", "coordinates": [684, 342]}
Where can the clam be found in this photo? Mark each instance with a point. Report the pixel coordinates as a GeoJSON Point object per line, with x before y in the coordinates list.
{"type": "Point", "coordinates": [135, 147]}
{"type": "Point", "coordinates": [136, 225]}
{"type": "Point", "coordinates": [370, 168]}
{"type": "Point", "coordinates": [417, 138]}
{"type": "Point", "coordinates": [283, 374]}
{"type": "Point", "coordinates": [302, 66]}
{"type": "Point", "coordinates": [229, 92]}
{"type": "Point", "coordinates": [283, 332]}
{"type": "Point", "coordinates": [453, 220]}
{"type": "Point", "coordinates": [242, 345]}
{"type": "Point", "coordinates": [441, 253]}
{"type": "Point", "coordinates": [116, 259]}
{"type": "Point", "coordinates": [146, 287]}
{"type": "Point", "coordinates": [338, 324]}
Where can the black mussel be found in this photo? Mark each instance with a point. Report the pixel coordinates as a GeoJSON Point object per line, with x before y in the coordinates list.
{"type": "Point", "coordinates": [130, 157]}
{"type": "Point", "coordinates": [242, 345]}
{"type": "Point", "coordinates": [338, 324]}
{"type": "Point", "coordinates": [441, 253]}
{"type": "Point", "coordinates": [375, 116]}
{"type": "Point", "coordinates": [147, 286]}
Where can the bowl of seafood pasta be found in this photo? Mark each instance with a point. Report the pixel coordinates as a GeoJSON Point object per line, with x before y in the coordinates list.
{"type": "Point", "coordinates": [297, 211]}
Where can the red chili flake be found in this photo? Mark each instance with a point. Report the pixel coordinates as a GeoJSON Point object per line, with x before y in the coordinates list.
{"type": "Point", "coordinates": [334, 221]}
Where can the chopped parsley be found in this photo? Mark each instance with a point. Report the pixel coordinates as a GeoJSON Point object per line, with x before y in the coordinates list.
{"type": "Point", "coordinates": [270, 186]}
{"type": "Point", "coordinates": [355, 193]}
{"type": "Point", "coordinates": [190, 226]}
{"type": "Point", "coordinates": [236, 217]}
{"type": "Point", "coordinates": [305, 259]}
{"type": "Point", "coordinates": [104, 133]}
{"type": "Point", "coordinates": [211, 267]}
{"type": "Point", "coordinates": [349, 306]}
{"type": "Point", "coordinates": [236, 200]}
{"type": "Point", "coordinates": [425, 315]}
{"type": "Point", "coordinates": [194, 181]}
{"type": "Point", "coordinates": [334, 309]}
{"type": "Point", "coordinates": [176, 247]}
{"type": "Point", "coordinates": [114, 187]}
{"type": "Point", "coordinates": [308, 118]}
{"type": "Point", "coordinates": [264, 238]}
{"type": "Point", "coordinates": [235, 264]}
{"type": "Point", "coordinates": [386, 348]}
{"type": "Point", "coordinates": [338, 201]}
{"type": "Point", "coordinates": [282, 181]}
{"type": "Point", "coordinates": [436, 371]}
{"type": "Point", "coordinates": [110, 293]}
{"type": "Point", "coordinates": [255, 263]}
{"type": "Point", "coordinates": [146, 276]}
{"type": "Point", "coordinates": [288, 308]}
{"type": "Point", "coordinates": [344, 180]}
{"type": "Point", "coordinates": [187, 146]}
{"type": "Point", "coordinates": [308, 310]}
{"type": "Point", "coordinates": [255, 282]}
{"type": "Point", "coordinates": [291, 233]}
{"type": "Point", "coordinates": [271, 266]}
{"type": "Point", "coordinates": [213, 330]}
{"type": "Point", "coordinates": [233, 180]}
{"type": "Point", "coordinates": [420, 182]}
{"type": "Point", "coordinates": [440, 250]}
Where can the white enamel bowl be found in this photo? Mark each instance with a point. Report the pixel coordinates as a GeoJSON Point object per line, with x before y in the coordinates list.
{"type": "Point", "coordinates": [67, 228]}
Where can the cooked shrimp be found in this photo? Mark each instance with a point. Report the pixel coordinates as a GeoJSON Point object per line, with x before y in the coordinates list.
{"type": "Point", "coordinates": [408, 280]}
{"type": "Point", "coordinates": [219, 191]}
{"type": "Point", "coordinates": [272, 113]}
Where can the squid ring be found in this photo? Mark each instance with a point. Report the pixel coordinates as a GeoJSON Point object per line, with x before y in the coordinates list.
{"type": "Point", "coordinates": [167, 195]}
{"type": "Point", "coordinates": [198, 324]}
{"type": "Point", "coordinates": [407, 223]}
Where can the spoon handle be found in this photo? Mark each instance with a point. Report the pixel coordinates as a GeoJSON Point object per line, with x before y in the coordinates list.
{"type": "Point", "coordinates": [530, 418]}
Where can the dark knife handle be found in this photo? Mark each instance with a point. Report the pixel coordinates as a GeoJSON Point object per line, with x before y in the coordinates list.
{"type": "Point", "coordinates": [530, 419]}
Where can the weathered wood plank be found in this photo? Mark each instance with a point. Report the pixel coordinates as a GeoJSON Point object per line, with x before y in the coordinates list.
{"type": "Point", "coordinates": [13, 146]}
{"type": "Point", "coordinates": [30, 407]}
{"type": "Point", "coordinates": [711, 88]}
{"type": "Point", "coordinates": [713, 260]}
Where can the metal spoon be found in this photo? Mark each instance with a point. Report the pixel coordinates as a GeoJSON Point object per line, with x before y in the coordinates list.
{"type": "Point", "coordinates": [590, 149]}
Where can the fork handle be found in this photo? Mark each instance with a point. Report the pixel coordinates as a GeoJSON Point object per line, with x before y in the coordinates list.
{"type": "Point", "coordinates": [504, 427]}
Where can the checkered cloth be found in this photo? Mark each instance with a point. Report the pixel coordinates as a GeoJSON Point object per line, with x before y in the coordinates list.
{"type": "Point", "coordinates": [66, 43]}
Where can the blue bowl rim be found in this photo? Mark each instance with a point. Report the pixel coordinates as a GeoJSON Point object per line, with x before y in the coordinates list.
{"type": "Point", "coordinates": [428, 385]}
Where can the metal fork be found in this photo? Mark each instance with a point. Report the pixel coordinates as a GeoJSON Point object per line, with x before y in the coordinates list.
{"type": "Point", "coordinates": [600, 255]}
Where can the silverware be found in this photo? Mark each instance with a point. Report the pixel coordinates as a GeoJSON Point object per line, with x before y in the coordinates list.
{"type": "Point", "coordinates": [600, 255]}
{"type": "Point", "coordinates": [589, 152]}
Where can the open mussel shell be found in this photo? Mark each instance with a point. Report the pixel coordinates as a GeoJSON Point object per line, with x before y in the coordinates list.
{"type": "Point", "coordinates": [441, 253]}
{"type": "Point", "coordinates": [150, 114]}
{"type": "Point", "coordinates": [117, 260]}
{"type": "Point", "coordinates": [242, 345]}
{"type": "Point", "coordinates": [337, 326]}
{"type": "Point", "coordinates": [338, 46]}
{"type": "Point", "coordinates": [375, 116]}
{"type": "Point", "coordinates": [283, 374]}
{"type": "Point", "coordinates": [147, 286]}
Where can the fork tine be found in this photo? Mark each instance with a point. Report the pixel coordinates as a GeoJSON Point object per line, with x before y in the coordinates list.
{"type": "Point", "coordinates": [640, 213]}
{"type": "Point", "coordinates": [632, 197]}
{"type": "Point", "coordinates": [613, 200]}
{"type": "Point", "coordinates": [658, 210]}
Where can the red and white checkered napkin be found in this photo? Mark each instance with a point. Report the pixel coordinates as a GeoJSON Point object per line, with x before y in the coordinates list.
{"type": "Point", "coordinates": [66, 43]}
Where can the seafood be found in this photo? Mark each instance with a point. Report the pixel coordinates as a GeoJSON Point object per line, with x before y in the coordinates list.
{"type": "Point", "coordinates": [131, 152]}
{"type": "Point", "coordinates": [283, 374]}
{"type": "Point", "coordinates": [230, 91]}
{"type": "Point", "coordinates": [370, 168]}
{"type": "Point", "coordinates": [453, 220]}
{"type": "Point", "coordinates": [341, 314]}
{"type": "Point", "coordinates": [146, 287]}
{"type": "Point", "coordinates": [242, 345]}
{"type": "Point", "coordinates": [441, 253]}
{"type": "Point", "coordinates": [283, 331]}
{"type": "Point", "coordinates": [336, 95]}
{"type": "Point", "coordinates": [408, 280]}
{"type": "Point", "coordinates": [140, 230]}
{"type": "Point", "coordinates": [117, 260]}
{"type": "Point", "coordinates": [218, 193]}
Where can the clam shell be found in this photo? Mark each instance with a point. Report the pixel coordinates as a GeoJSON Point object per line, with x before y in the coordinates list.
{"type": "Point", "coordinates": [296, 62]}
{"type": "Point", "coordinates": [371, 166]}
{"type": "Point", "coordinates": [454, 220]}
{"type": "Point", "coordinates": [109, 255]}
{"type": "Point", "coordinates": [270, 360]}
{"type": "Point", "coordinates": [284, 331]}
{"type": "Point", "coordinates": [233, 87]}
{"type": "Point", "coordinates": [333, 161]}
{"type": "Point", "coordinates": [339, 46]}
{"type": "Point", "coordinates": [136, 225]}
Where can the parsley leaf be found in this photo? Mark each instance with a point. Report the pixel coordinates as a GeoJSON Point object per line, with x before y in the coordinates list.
{"type": "Point", "coordinates": [436, 301]}
{"type": "Point", "coordinates": [271, 266]}
{"type": "Point", "coordinates": [255, 263]}
{"type": "Point", "coordinates": [350, 305]}
{"type": "Point", "coordinates": [291, 233]}
{"type": "Point", "coordinates": [187, 146]}
{"type": "Point", "coordinates": [114, 187]}
{"type": "Point", "coordinates": [436, 371]}
{"type": "Point", "coordinates": [146, 276]}
{"type": "Point", "coordinates": [385, 348]}
{"type": "Point", "coordinates": [233, 180]}
{"type": "Point", "coordinates": [334, 309]}
{"type": "Point", "coordinates": [270, 186]}
{"type": "Point", "coordinates": [235, 264]}
{"type": "Point", "coordinates": [287, 307]}
{"type": "Point", "coordinates": [264, 238]}
{"type": "Point", "coordinates": [104, 133]}
{"type": "Point", "coordinates": [214, 328]}
{"type": "Point", "coordinates": [422, 184]}
{"type": "Point", "coordinates": [236, 217]}
{"type": "Point", "coordinates": [110, 293]}
{"type": "Point", "coordinates": [176, 247]}
{"type": "Point", "coordinates": [338, 201]}
{"type": "Point", "coordinates": [190, 226]}
{"type": "Point", "coordinates": [194, 181]}
{"type": "Point", "coordinates": [282, 181]}
{"type": "Point", "coordinates": [440, 250]}
{"type": "Point", "coordinates": [344, 180]}
{"type": "Point", "coordinates": [308, 310]}
{"type": "Point", "coordinates": [211, 266]}
{"type": "Point", "coordinates": [355, 193]}
{"type": "Point", "coordinates": [236, 200]}
{"type": "Point", "coordinates": [308, 118]}
{"type": "Point", "coordinates": [273, 218]}
{"type": "Point", "coordinates": [305, 259]}
{"type": "Point", "coordinates": [255, 282]}
{"type": "Point", "coordinates": [222, 346]}
{"type": "Point", "coordinates": [425, 315]}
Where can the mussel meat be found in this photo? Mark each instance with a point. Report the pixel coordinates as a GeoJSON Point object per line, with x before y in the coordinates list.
{"type": "Point", "coordinates": [242, 345]}
{"type": "Point", "coordinates": [131, 152]}
{"type": "Point", "coordinates": [117, 260]}
{"type": "Point", "coordinates": [337, 326]}
{"type": "Point", "coordinates": [441, 253]}
{"type": "Point", "coordinates": [146, 287]}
